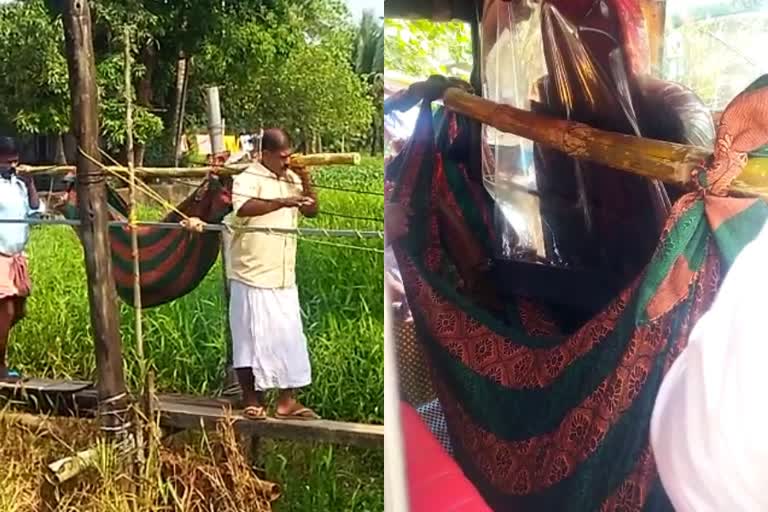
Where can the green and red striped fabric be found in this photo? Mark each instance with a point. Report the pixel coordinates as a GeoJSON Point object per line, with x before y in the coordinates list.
{"type": "Point", "coordinates": [173, 262]}
{"type": "Point", "coordinates": [544, 421]}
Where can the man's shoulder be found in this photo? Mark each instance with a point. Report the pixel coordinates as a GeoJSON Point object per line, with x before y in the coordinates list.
{"type": "Point", "coordinates": [252, 174]}
{"type": "Point", "coordinates": [13, 184]}
{"type": "Point", "coordinates": [293, 177]}
{"type": "Point", "coordinates": [255, 168]}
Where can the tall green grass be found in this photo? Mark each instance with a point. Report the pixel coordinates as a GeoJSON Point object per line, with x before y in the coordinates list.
{"type": "Point", "coordinates": [341, 292]}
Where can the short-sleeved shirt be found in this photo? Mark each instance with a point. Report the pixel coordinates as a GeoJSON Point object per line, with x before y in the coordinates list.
{"type": "Point", "coordinates": [14, 204]}
{"type": "Point", "coordinates": [259, 259]}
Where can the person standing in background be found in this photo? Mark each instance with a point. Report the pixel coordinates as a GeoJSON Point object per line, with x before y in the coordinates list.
{"type": "Point", "coordinates": [268, 341]}
{"type": "Point", "coordinates": [18, 200]}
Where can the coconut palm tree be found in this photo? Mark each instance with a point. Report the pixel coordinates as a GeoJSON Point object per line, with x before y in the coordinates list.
{"type": "Point", "coordinates": [368, 60]}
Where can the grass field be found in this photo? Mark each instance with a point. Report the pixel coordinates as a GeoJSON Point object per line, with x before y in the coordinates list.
{"type": "Point", "coordinates": [342, 298]}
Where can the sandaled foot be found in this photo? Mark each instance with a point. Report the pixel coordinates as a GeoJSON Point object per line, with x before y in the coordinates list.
{"type": "Point", "coordinates": [9, 376]}
{"type": "Point", "coordinates": [255, 412]}
{"type": "Point", "coordinates": [299, 413]}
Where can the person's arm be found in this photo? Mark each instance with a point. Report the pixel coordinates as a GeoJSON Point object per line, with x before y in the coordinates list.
{"type": "Point", "coordinates": [256, 207]}
{"type": "Point", "coordinates": [310, 207]}
{"type": "Point", "coordinates": [246, 202]}
{"type": "Point", "coordinates": [395, 222]}
{"type": "Point", "coordinates": [32, 195]}
{"type": "Point", "coordinates": [395, 287]}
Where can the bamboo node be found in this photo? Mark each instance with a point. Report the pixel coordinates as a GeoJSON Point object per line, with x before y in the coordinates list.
{"type": "Point", "coordinates": [575, 140]}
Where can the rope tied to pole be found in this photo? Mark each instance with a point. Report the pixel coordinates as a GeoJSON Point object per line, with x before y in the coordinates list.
{"type": "Point", "coordinates": [119, 416]}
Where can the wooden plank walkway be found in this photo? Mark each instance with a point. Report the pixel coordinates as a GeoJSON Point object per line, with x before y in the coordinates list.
{"type": "Point", "coordinates": [185, 411]}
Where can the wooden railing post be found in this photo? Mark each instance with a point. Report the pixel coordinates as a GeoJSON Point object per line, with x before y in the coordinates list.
{"type": "Point", "coordinates": [92, 201]}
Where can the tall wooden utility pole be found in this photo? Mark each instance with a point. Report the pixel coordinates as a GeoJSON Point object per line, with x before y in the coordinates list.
{"type": "Point", "coordinates": [92, 199]}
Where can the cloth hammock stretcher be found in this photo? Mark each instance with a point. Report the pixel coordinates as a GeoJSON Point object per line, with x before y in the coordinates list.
{"type": "Point", "coordinates": [540, 419]}
{"type": "Point", "coordinates": [172, 262]}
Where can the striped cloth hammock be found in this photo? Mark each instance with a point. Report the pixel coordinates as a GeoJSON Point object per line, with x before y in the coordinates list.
{"type": "Point", "coordinates": [172, 262]}
{"type": "Point", "coordinates": [541, 420]}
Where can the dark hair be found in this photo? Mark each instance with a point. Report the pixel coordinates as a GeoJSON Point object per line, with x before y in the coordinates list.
{"type": "Point", "coordinates": [275, 139]}
{"type": "Point", "coordinates": [8, 146]}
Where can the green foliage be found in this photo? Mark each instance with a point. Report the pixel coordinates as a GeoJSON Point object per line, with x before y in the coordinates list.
{"type": "Point", "coordinates": [315, 92]}
{"type": "Point", "coordinates": [368, 58]}
{"type": "Point", "coordinates": [34, 94]}
{"type": "Point", "coordinates": [419, 48]}
{"type": "Point", "coordinates": [715, 56]}
{"type": "Point", "coordinates": [368, 55]}
{"type": "Point", "coordinates": [320, 477]}
{"type": "Point", "coordinates": [299, 64]}
{"type": "Point", "coordinates": [111, 82]}
{"type": "Point", "coordinates": [293, 72]}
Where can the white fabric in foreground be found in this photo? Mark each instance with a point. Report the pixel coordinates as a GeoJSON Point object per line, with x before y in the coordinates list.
{"type": "Point", "coordinates": [268, 337]}
{"type": "Point", "coordinates": [708, 429]}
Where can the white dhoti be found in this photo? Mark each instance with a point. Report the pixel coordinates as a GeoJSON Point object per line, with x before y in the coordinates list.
{"type": "Point", "coordinates": [268, 337]}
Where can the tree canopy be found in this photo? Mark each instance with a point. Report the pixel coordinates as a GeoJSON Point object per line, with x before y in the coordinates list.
{"type": "Point", "coordinates": [299, 64]}
{"type": "Point", "coordinates": [420, 48]}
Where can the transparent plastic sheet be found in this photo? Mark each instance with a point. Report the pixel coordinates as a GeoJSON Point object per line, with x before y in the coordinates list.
{"type": "Point", "coordinates": [585, 61]}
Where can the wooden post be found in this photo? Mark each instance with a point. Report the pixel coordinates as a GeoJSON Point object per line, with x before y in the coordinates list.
{"type": "Point", "coordinates": [216, 135]}
{"type": "Point", "coordinates": [92, 199]}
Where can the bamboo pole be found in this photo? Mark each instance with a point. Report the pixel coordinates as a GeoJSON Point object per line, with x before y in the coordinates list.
{"type": "Point", "coordinates": [326, 159]}
{"type": "Point", "coordinates": [92, 204]}
{"type": "Point", "coordinates": [133, 217]}
{"type": "Point", "coordinates": [134, 228]}
{"type": "Point", "coordinates": [664, 161]}
{"type": "Point", "coordinates": [312, 160]}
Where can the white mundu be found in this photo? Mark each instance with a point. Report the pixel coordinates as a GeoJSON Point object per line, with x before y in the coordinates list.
{"type": "Point", "coordinates": [264, 310]}
{"type": "Point", "coordinates": [708, 429]}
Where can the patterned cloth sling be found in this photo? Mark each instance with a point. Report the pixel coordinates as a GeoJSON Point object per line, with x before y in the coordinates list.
{"type": "Point", "coordinates": [539, 420]}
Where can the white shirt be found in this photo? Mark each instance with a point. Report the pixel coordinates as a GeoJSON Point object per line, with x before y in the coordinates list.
{"type": "Point", "coordinates": [260, 259]}
{"type": "Point", "coordinates": [14, 204]}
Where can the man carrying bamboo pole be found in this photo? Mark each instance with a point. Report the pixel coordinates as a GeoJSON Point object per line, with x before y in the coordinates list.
{"type": "Point", "coordinates": [18, 200]}
{"type": "Point", "coordinates": [269, 347]}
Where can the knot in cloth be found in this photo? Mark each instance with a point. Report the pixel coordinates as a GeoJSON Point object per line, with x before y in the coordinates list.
{"type": "Point", "coordinates": [743, 128]}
